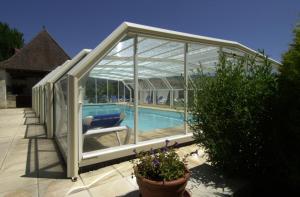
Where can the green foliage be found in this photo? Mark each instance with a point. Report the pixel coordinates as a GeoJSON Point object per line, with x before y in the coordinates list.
{"type": "Point", "coordinates": [232, 113]}
{"type": "Point", "coordinates": [161, 165]}
{"type": "Point", "coordinates": [289, 110]}
{"type": "Point", "coordinates": [90, 90]}
{"type": "Point", "coordinates": [10, 38]}
{"type": "Point", "coordinates": [291, 59]}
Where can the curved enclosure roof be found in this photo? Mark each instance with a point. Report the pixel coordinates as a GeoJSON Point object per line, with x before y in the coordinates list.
{"type": "Point", "coordinates": [159, 54]}
{"type": "Point", "coordinates": [66, 67]}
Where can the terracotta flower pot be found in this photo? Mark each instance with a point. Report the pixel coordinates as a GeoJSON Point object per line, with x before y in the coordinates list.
{"type": "Point", "coordinates": [176, 188]}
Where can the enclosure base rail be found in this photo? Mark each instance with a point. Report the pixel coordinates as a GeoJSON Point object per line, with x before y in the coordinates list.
{"type": "Point", "coordinates": [107, 154]}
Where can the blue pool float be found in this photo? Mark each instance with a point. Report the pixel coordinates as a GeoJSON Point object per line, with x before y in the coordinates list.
{"type": "Point", "coordinates": [103, 121]}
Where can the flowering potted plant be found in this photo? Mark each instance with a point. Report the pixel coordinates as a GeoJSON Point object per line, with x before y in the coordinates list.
{"type": "Point", "coordinates": [161, 172]}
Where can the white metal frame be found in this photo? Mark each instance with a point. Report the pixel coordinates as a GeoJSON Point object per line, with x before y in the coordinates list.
{"type": "Point", "coordinates": [49, 88]}
{"type": "Point", "coordinates": [75, 157]}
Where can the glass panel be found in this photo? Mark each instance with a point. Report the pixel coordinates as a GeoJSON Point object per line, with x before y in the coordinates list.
{"type": "Point", "coordinates": [230, 52]}
{"type": "Point", "coordinates": [113, 91]}
{"type": "Point", "coordinates": [145, 92]}
{"type": "Point", "coordinates": [203, 57]}
{"type": "Point", "coordinates": [61, 113]}
{"type": "Point", "coordinates": [101, 90]}
{"type": "Point", "coordinates": [47, 98]}
{"type": "Point", "coordinates": [158, 61]}
{"type": "Point", "coordinates": [90, 93]}
{"type": "Point", "coordinates": [121, 92]}
{"type": "Point", "coordinates": [111, 116]}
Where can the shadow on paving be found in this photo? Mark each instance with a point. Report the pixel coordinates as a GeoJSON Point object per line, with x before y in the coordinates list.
{"type": "Point", "coordinates": [206, 179]}
{"type": "Point", "coordinates": [31, 121]}
{"type": "Point", "coordinates": [29, 115]}
{"type": "Point", "coordinates": [43, 157]}
{"type": "Point", "coordinates": [134, 193]}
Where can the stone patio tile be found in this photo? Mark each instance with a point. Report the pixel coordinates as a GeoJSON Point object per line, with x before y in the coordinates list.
{"type": "Point", "coordinates": [15, 180]}
{"type": "Point", "coordinates": [99, 177]}
{"type": "Point", "coordinates": [28, 191]}
{"type": "Point", "coordinates": [30, 115]}
{"type": "Point", "coordinates": [119, 187]}
{"type": "Point", "coordinates": [132, 181]}
{"type": "Point", "coordinates": [35, 130]}
{"type": "Point", "coordinates": [31, 120]}
{"type": "Point", "coordinates": [4, 147]}
{"type": "Point", "coordinates": [59, 187]}
{"type": "Point", "coordinates": [46, 145]}
{"type": "Point", "coordinates": [4, 132]}
{"type": "Point", "coordinates": [12, 120]}
{"type": "Point", "coordinates": [84, 193]}
{"type": "Point", "coordinates": [194, 161]}
{"type": "Point", "coordinates": [17, 165]}
{"type": "Point", "coordinates": [54, 170]}
{"type": "Point", "coordinates": [19, 159]}
{"type": "Point", "coordinates": [209, 191]}
{"type": "Point", "coordinates": [19, 147]}
{"type": "Point", "coordinates": [125, 168]}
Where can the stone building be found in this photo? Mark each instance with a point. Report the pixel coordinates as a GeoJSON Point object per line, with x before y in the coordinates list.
{"type": "Point", "coordinates": [26, 67]}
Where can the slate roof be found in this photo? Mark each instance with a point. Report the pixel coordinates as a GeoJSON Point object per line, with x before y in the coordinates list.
{"type": "Point", "coordinates": [42, 53]}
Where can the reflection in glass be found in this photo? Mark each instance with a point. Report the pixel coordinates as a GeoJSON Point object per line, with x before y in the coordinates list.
{"type": "Point", "coordinates": [61, 113]}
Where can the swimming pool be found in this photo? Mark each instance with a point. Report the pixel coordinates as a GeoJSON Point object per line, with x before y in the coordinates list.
{"type": "Point", "coordinates": [149, 119]}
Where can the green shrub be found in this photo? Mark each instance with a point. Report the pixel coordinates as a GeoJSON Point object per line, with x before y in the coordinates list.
{"type": "Point", "coordinates": [232, 113]}
{"type": "Point", "coordinates": [288, 119]}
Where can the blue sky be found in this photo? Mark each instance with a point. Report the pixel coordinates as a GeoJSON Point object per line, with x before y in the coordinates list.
{"type": "Point", "coordinates": [258, 24]}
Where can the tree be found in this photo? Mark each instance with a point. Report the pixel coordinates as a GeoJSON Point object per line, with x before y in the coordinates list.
{"type": "Point", "coordinates": [289, 110]}
{"type": "Point", "coordinates": [10, 38]}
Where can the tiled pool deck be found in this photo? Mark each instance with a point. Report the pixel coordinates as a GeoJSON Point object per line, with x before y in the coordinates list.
{"type": "Point", "coordinates": [30, 165]}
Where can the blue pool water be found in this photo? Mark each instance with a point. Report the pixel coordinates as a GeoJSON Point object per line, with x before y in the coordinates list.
{"type": "Point", "coordinates": [149, 119]}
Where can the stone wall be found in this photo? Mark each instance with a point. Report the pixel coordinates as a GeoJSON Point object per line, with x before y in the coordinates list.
{"type": "Point", "coordinates": [5, 76]}
{"type": "Point", "coordinates": [11, 101]}
{"type": "Point", "coordinates": [2, 94]}
{"type": "Point", "coordinates": [2, 74]}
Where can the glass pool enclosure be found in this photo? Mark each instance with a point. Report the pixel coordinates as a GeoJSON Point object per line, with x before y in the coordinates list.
{"type": "Point", "coordinates": [130, 92]}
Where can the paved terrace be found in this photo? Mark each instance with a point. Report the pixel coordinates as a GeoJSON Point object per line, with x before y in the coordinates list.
{"type": "Point", "coordinates": [31, 165]}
